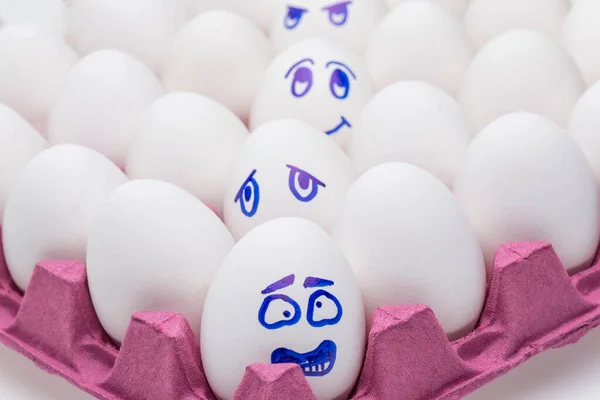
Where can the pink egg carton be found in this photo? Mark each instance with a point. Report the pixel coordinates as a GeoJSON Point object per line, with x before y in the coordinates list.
{"type": "Point", "coordinates": [532, 306]}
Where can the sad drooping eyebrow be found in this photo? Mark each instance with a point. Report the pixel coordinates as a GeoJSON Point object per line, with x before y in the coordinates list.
{"type": "Point", "coordinates": [280, 284]}
{"type": "Point", "coordinates": [312, 282]}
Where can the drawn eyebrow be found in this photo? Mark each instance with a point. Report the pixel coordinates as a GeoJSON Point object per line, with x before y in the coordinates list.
{"type": "Point", "coordinates": [238, 196]}
{"type": "Point", "coordinates": [298, 63]}
{"type": "Point", "coordinates": [312, 282]}
{"type": "Point", "coordinates": [280, 284]}
{"type": "Point", "coordinates": [339, 3]}
{"type": "Point", "coordinates": [341, 65]}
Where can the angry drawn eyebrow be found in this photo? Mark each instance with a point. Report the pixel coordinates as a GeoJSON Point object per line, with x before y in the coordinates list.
{"type": "Point", "coordinates": [298, 63]}
{"type": "Point", "coordinates": [280, 284]}
{"type": "Point", "coordinates": [312, 282]}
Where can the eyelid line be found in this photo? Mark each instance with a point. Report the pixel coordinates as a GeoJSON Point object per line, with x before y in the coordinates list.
{"type": "Point", "coordinates": [341, 3]}
{"type": "Point", "coordinates": [342, 65]}
{"type": "Point", "coordinates": [307, 173]}
{"type": "Point", "coordinates": [297, 64]}
{"type": "Point", "coordinates": [248, 179]}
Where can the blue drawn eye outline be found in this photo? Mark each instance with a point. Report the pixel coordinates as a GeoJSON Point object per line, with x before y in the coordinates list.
{"type": "Point", "coordinates": [293, 17]}
{"type": "Point", "coordinates": [312, 301]}
{"type": "Point", "coordinates": [340, 77]}
{"type": "Point", "coordinates": [302, 75]}
{"type": "Point", "coordinates": [300, 174]}
{"type": "Point", "coordinates": [262, 312]}
{"type": "Point", "coordinates": [245, 194]}
{"type": "Point", "coordinates": [338, 9]}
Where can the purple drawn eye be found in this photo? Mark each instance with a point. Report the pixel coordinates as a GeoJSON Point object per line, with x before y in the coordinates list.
{"type": "Point", "coordinates": [303, 185]}
{"type": "Point", "coordinates": [338, 13]}
{"type": "Point", "coordinates": [339, 84]}
{"type": "Point", "coordinates": [293, 17]}
{"type": "Point", "coordinates": [302, 82]}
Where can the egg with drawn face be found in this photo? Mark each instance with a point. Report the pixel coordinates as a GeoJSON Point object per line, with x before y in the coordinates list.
{"type": "Point", "coordinates": [284, 294]}
{"type": "Point", "coordinates": [350, 22]}
{"type": "Point", "coordinates": [316, 81]}
{"type": "Point", "coordinates": [286, 168]}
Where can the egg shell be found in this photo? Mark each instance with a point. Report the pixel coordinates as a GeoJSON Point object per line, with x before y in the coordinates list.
{"type": "Point", "coordinates": [413, 246]}
{"type": "Point", "coordinates": [47, 14]}
{"type": "Point", "coordinates": [581, 36]}
{"type": "Point", "coordinates": [221, 55]}
{"type": "Point", "coordinates": [103, 98]}
{"type": "Point", "coordinates": [33, 69]}
{"type": "Point", "coordinates": [520, 70]}
{"type": "Point", "coordinates": [308, 82]}
{"type": "Point", "coordinates": [525, 179]}
{"type": "Point", "coordinates": [486, 19]}
{"type": "Point", "coordinates": [51, 205]}
{"type": "Point", "coordinates": [191, 141]}
{"type": "Point", "coordinates": [419, 41]}
{"type": "Point", "coordinates": [152, 247]}
{"type": "Point", "coordinates": [412, 122]}
{"type": "Point", "coordinates": [584, 125]}
{"type": "Point", "coordinates": [456, 8]}
{"type": "Point", "coordinates": [19, 143]}
{"type": "Point", "coordinates": [249, 285]}
{"type": "Point", "coordinates": [350, 23]}
{"type": "Point", "coordinates": [261, 12]}
{"type": "Point", "coordinates": [299, 172]}
{"type": "Point", "coordinates": [142, 28]}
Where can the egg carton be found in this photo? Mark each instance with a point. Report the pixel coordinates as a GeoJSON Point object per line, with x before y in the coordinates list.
{"type": "Point", "coordinates": [532, 306]}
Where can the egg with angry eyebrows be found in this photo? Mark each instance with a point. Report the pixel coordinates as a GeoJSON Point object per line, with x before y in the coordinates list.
{"type": "Point", "coordinates": [284, 294]}
{"type": "Point", "coordinates": [317, 81]}
{"type": "Point", "coordinates": [286, 168]}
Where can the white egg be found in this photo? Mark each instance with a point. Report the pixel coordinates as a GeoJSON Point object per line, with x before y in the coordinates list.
{"type": "Point", "coordinates": [419, 41]}
{"type": "Point", "coordinates": [520, 70]}
{"type": "Point", "coordinates": [47, 14]}
{"type": "Point", "coordinates": [581, 37]}
{"type": "Point", "coordinates": [486, 19]}
{"type": "Point", "coordinates": [191, 141]}
{"type": "Point", "coordinates": [285, 294]}
{"type": "Point", "coordinates": [221, 55]}
{"type": "Point", "coordinates": [33, 69]}
{"type": "Point", "coordinates": [456, 8]}
{"type": "Point", "coordinates": [152, 247]}
{"type": "Point", "coordinates": [348, 22]}
{"type": "Point", "coordinates": [408, 242]}
{"type": "Point", "coordinates": [525, 179]}
{"type": "Point", "coordinates": [261, 12]}
{"type": "Point", "coordinates": [19, 143]}
{"type": "Point", "coordinates": [412, 122]}
{"type": "Point", "coordinates": [102, 100]}
{"type": "Point", "coordinates": [142, 28]}
{"type": "Point", "coordinates": [51, 205]}
{"type": "Point", "coordinates": [316, 81]}
{"type": "Point", "coordinates": [584, 126]}
{"type": "Point", "coordinates": [286, 169]}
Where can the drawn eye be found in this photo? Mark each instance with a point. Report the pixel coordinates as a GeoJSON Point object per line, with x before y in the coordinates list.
{"type": "Point", "coordinates": [338, 13]}
{"type": "Point", "coordinates": [249, 196]}
{"type": "Point", "coordinates": [302, 82]}
{"type": "Point", "coordinates": [339, 84]}
{"type": "Point", "coordinates": [277, 311]}
{"type": "Point", "coordinates": [323, 309]}
{"type": "Point", "coordinates": [303, 185]}
{"type": "Point", "coordinates": [293, 17]}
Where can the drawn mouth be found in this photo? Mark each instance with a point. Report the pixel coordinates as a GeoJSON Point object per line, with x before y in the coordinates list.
{"type": "Point", "coordinates": [344, 122]}
{"type": "Point", "coordinates": [318, 362]}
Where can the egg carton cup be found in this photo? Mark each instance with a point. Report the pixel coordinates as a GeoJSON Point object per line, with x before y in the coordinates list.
{"type": "Point", "coordinates": [532, 306]}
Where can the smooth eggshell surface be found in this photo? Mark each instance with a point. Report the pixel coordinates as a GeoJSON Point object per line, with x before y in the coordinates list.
{"type": "Point", "coordinates": [488, 18]}
{"type": "Point", "coordinates": [285, 293]}
{"type": "Point", "coordinates": [19, 143]}
{"type": "Point", "coordinates": [350, 23]}
{"type": "Point", "coordinates": [261, 12]}
{"type": "Point", "coordinates": [521, 70]}
{"type": "Point", "coordinates": [142, 28]}
{"type": "Point", "coordinates": [51, 206]}
{"type": "Point", "coordinates": [316, 81]}
{"type": "Point", "coordinates": [456, 8]}
{"type": "Point", "coordinates": [413, 246]}
{"type": "Point", "coordinates": [286, 169]}
{"type": "Point", "coordinates": [33, 68]}
{"type": "Point", "coordinates": [418, 40]}
{"type": "Point", "coordinates": [103, 97]}
{"type": "Point", "coordinates": [525, 179]}
{"type": "Point", "coordinates": [412, 122]}
{"type": "Point", "coordinates": [584, 126]}
{"type": "Point", "coordinates": [191, 141]}
{"type": "Point", "coordinates": [221, 55]}
{"type": "Point", "coordinates": [153, 247]}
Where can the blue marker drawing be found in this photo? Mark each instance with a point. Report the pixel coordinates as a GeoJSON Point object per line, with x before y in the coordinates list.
{"type": "Point", "coordinates": [318, 362]}
{"type": "Point", "coordinates": [293, 17]}
{"type": "Point", "coordinates": [286, 318]}
{"type": "Point", "coordinates": [249, 193]}
{"type": "Point", "coordinates": [312, 282]}
{"type": "Point", "coordinates": [317, 299]}
{"type": "Point", "coordinates": [303, 77]}
{"type": "Point", "coordinates": [303, 185]}
{"type": "Point", "coordinates": [343, 123]}
{"type": "Point", "coordinates": [338, 13]}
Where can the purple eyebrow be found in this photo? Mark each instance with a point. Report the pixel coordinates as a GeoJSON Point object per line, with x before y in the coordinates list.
{"type": "Point", "coordinates": [312, 282]}
{"type": "Point", "coordinates": [280, 284]}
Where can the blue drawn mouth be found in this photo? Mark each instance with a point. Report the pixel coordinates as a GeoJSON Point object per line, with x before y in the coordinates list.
{"type": "Point", "coordinates": [344, 122]}
{"type": "Point", "coordinates": [318, 362]}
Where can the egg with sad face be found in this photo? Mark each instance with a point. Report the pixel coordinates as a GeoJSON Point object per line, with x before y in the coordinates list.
{"type": "Point", "coordinates": [284, 294]}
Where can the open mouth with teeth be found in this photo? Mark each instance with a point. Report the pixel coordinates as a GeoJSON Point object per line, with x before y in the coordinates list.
{"type": "Point", "coordinates": [318, 362]}
{"type": "Point", "coordinates": [343, 123]}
